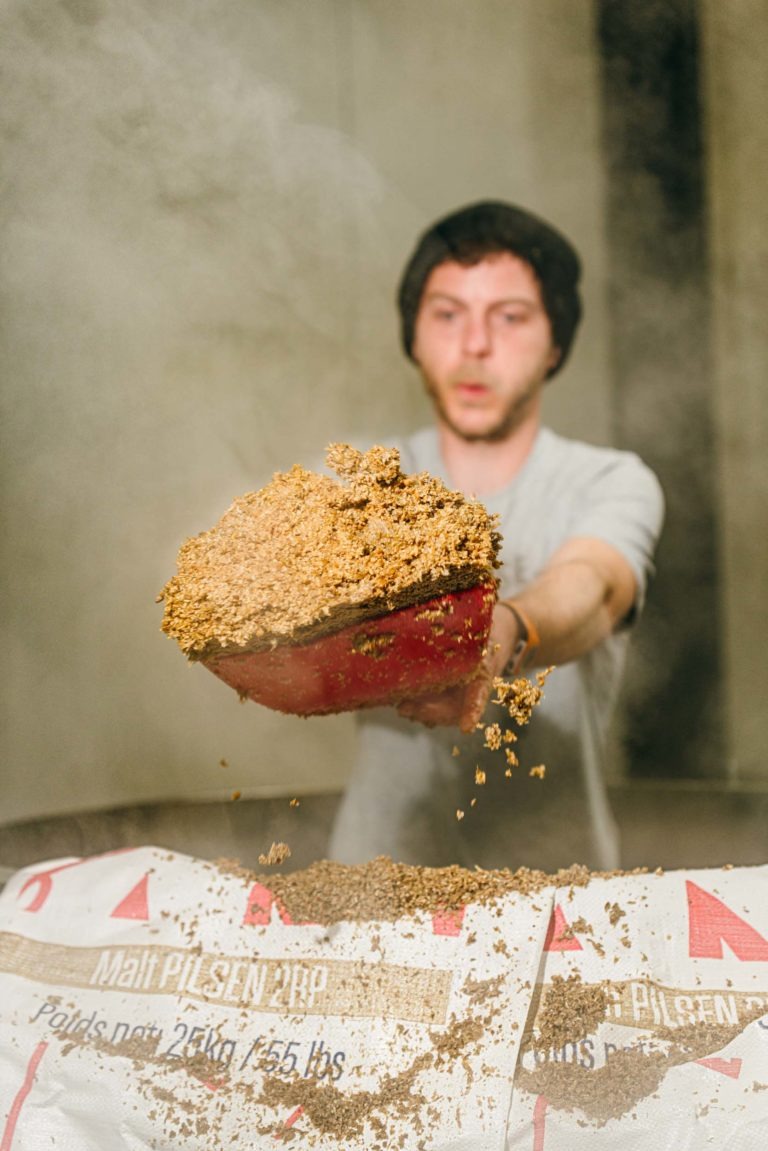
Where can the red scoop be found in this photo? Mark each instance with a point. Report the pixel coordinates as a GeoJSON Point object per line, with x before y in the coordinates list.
{"type": "Point", "coordinates": [405, 653]}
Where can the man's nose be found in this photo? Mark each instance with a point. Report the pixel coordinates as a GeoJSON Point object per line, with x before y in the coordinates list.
{"type": "Point", "coordinates": [477, 336]}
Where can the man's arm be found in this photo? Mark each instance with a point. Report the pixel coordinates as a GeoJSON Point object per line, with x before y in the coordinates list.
{"type": "Point", "coordinates": [585, 591]}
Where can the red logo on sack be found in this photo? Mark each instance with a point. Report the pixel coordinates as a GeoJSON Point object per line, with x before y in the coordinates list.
{"type": "Point", "coordinates": [136, 904]}
{"type": "Point", "coordinates": [21, 1095]}
{"type": "Point", "coordinates": [292, 1118]}
{"type": "Point", "coordinates": [448, 922]}
{"type": "Point", "coordinates": [729, 1067]}
{"type": "Point", "coordinates": [258, 910]}
{"type": "Point", "coordinates": [43, 880]}
{"type": "Point", "coordinates": [711, 924]}
{"type": "Point", "coordinates": [559, 934]}
{"type": "Point", "coordinates": [539, 1122]}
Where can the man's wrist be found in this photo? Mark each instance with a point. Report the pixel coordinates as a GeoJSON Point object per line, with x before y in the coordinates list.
{"type": "Point", "coordinates": [527, 638]}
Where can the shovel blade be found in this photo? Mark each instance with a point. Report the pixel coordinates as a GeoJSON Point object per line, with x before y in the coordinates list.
{"type": "Point", "coordinates": [423, 648]}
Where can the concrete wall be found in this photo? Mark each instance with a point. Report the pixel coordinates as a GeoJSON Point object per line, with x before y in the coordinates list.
{"type": "Point", "coordinates": [206, 208]}
{"type": "Point", "coordinates": [736, 99]}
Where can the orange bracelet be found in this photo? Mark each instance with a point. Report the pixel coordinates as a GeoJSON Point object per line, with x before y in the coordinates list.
{"type": "Point", "coordinates": [528, 641]}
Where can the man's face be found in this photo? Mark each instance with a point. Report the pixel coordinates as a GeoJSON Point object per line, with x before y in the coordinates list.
{"type": "Point", "coordinates": [483, 342]}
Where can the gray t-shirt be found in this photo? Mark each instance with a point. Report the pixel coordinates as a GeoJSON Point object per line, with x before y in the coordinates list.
{"type": "Point", "coordinates": [408, 782]}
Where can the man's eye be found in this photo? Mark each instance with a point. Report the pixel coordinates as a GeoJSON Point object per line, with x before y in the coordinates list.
{"type": "Point", "coordinates": [444, 314]}
{"type": "Point", "coordinates": [512, 317]}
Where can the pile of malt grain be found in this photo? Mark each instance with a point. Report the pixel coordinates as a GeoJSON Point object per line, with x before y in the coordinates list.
{"type": "Point", "coordinates": [571, 1010]}
{"type": "Point", "coordinates": [307, 555]}
{"type": "Point", "coordinates": [328, 892]}
{"type": "Point", "coordinates": [630, 1075]}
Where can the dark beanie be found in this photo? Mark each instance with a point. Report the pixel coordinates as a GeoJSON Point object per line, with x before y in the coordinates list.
{"type": "Point", "coordinates": [489, 227]}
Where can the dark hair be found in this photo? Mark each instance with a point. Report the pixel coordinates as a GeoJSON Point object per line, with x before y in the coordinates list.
{"type": "Point", "coordinates": [485, 228]}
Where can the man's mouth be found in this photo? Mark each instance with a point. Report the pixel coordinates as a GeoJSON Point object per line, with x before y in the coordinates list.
{"type": "Point", "coordinates": [472, 389]}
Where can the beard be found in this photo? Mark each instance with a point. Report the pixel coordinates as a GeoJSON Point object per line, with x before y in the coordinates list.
{"type": "Point", "coordinates": [509, 419]}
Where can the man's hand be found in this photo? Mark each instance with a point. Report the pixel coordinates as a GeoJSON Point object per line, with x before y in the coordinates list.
{"type": "Point", "coordinates": [584, 592]}
{"type": "Point", "coordinates": [463, 706]}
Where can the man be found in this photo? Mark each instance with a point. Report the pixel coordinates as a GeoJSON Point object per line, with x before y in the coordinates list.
{"type": "Point", "coordinates": [489, 304]}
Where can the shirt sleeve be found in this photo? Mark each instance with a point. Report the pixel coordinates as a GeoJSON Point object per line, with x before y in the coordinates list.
{"type": "Point", "coordinates": [623, 505]}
